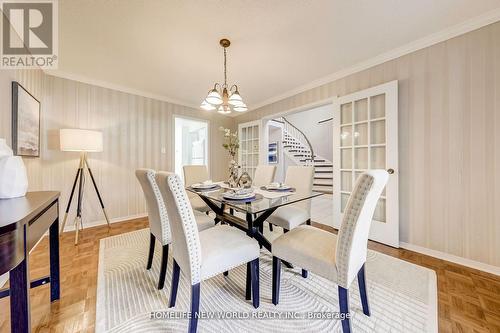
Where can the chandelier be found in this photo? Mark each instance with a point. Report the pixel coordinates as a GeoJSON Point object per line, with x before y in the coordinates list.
{"type": "Point", "coordinates": [222, 98]}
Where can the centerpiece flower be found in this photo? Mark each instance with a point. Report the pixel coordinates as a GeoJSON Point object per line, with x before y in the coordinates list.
{"type": "Point", "coordinates": [231, 144]}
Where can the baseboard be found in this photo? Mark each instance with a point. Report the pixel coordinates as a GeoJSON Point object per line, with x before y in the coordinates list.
{"type": "Point", "coordinates": [71, 227]}
{"type": "Point", "coordinates": [452, 258]}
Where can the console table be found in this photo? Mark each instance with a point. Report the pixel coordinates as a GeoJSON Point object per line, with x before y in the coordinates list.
{"type": "Point", "coordinates": [23, 222]}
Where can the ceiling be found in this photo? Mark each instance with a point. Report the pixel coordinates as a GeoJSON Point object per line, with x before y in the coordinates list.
{"type": "Point", "coordinates": [170, 48]}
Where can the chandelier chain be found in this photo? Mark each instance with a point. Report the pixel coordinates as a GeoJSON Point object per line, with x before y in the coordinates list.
{"type": "Point", "coordinates": [225, 68]}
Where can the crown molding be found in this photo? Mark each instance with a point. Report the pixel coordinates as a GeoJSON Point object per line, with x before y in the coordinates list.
{"type": "Point", "coordinates": [441, 36]}
{"type": "Point", "coordinates": [108, 85]}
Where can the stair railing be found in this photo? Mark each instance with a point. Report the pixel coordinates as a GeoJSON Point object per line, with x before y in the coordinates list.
{"type": "Point", "coordinates": [298, 135]}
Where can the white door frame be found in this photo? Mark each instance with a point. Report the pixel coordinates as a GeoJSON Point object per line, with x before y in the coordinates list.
{"type": "Point", "coordinates": [388, 232]}
{"type": "Point", "coordinates": [209, 141]}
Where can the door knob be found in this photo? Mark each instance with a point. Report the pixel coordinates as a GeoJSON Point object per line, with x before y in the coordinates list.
{"type": "Point", "coordinates": [390, 171]}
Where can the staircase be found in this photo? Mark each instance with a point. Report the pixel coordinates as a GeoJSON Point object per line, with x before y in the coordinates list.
{"type": "Point", "coordinates": [297, 147]}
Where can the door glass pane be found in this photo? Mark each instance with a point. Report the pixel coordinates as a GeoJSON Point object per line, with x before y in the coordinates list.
{"type": "Point", "coordinates": [377, 155]}
{"type": "Point", "coordinates": [377, 106]}
{"type": "Point", "coordinates": [346, 136]}
{"type": "Point", "coordinates": [243, 134]}
{"type": "Point", "coordinates": [360, 158]}
{"type": "Point", "coordinates": [377, 132]}
{"type": "Point", "coordinates": [361, 110]}
{"type": "Point", "coordinates": [191, 143]}
{"type": "Point", "coordinates": [344, 197]}
{"type": "Point", "coordinates": [379, 214]}
{"type": "Point", "coordinates": [346, 181]}
{"type": "Point", "coordinates": [360, 134]}
{"type": "Point", "coordinates": [346, 158]}
{"type": "Point", "coordinates": [346, 113]}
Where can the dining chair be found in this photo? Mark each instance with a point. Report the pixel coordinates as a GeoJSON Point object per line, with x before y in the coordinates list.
{"type": "Point", "coordinates": [264, 175]}
{"type": "Point", "coordinates": [340, 258]}
{"type": "Point", "coordinates": [293, 215]}
{"type": "Point", "coordinates": [158, 220]}
{"type": "Point", "coordinates": [196, 174]}
{"type": "Point", "coordinates": [202, 255]}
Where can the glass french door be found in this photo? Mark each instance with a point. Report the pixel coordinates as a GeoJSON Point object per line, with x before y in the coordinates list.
{"type": "Point", "coordinates": [248, 154]}
{"type": "Point", "coordinates": [365, 129]}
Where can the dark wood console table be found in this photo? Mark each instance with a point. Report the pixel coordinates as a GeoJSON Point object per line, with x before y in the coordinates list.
{"type": "Point", "coordinates": [23, 222]}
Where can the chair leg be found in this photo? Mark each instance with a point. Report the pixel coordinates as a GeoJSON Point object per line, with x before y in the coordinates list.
{"type": "Point", "coordinates": [152, 240]}
{"type": "Point", "coordinates": [344, 309]}
{"type": "Point", "coordinates": [255, 283]}
{"type": "Point", "coordinates": [276, 279]}
{"type": "Point", "coordinates": [175, 284]}
{"type": "Point", "coordinates": [163, 267]}
{"type": "Point", "coordinates": [195, 308]}
{"type": "Point", "coordinates": [362, 290]}
{"type": "Point", "coordinates": [304, 273]}
{"type": "Point", "coordinates": [248, 289]}
{"type": "Point", "coordinates": [308, 222]}
{"type": "Point", "coordinates": [270, 227]}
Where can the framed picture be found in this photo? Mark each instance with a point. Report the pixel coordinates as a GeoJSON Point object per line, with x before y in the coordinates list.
{"type": "Point", "coordinates": [25, 122]}
{"type": "Point", "coordinates": [273, 153]}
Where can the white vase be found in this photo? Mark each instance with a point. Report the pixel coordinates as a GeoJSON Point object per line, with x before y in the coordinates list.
{"type": "Point", "coordinates": [13, 177]}
{"type": "Point", "coordinates": [5, 150]}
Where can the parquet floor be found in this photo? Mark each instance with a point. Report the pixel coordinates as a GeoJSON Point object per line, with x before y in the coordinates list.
{"type": "Point", "coordinates": [469, 300]}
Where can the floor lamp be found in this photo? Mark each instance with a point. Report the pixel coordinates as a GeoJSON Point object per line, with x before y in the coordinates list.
{"type": "Point", "coordinates": [83, 141]}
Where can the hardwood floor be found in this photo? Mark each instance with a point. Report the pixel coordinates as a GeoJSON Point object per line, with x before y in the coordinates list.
{"type": "Point", "coordinates": [469, 300]}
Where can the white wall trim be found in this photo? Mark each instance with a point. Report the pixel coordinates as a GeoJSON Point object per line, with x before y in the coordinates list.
{"type": "Point", "coordinates": [117, 87]}
{"type": "Point", "coordinates": [71, 226]}
{"type": "Point", "coordinates": [441, 36]}
{"type": "Point", "coordinates": [452, 258]}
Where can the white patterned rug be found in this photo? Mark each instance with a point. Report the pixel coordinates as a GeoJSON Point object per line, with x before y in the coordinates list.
{"type": "Point", "coordinates": [402, 296]}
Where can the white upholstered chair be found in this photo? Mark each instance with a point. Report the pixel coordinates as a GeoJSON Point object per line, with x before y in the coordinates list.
{"type": "Point", "coordinates": [196, 174]}
{"type": "Point", "coordinates": [293, 215]}
{"type": "Point", "coordinates": [264, 175]}
{"type": "Point", "coordinates": [202, 255]}
{"type": "Point", "coordinates": [341, 257]}
{"type": "Point", "coordinates": [158, 219]}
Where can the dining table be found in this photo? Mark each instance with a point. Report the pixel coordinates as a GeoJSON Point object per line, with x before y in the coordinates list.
{"type": "Point", "coordinates": [254, 210]}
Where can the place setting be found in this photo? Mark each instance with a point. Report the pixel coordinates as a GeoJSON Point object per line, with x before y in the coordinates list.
{"type": "Point", "coordinates": [277, 187]}
{"type": "Point", "coordinates": [241, 195]}
{"type": "Point", "coordinates": [206, 186]}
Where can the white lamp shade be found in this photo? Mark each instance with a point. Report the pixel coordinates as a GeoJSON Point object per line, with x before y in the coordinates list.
{"type": "Point", "coordinates": [240, 108]}
{"type": "Point", "coordinates": [207, 106]}
{"type": "Point", "coordinates": [214, 97]}
{"type": "Point", "coordinates": [224, 109]}
{"type": "Point", "coordinates": [235, 99]}
{"type": "Point", "coordinates": [75, 139]}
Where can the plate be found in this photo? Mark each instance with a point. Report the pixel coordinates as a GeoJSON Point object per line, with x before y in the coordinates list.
{"type": "Point", "coordinates": [201, 186]}
{"type": "Point", "coordinates": [235, 196]}
{"type": "Point", "coordinates": [282, 187]}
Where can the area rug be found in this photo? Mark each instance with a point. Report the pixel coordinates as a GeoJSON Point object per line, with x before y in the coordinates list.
{"type": "Point", "coordinates": [402, 296]}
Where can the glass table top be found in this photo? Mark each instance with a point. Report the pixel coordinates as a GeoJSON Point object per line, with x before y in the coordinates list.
{"type": "Point", "coordinates": [264, 199]}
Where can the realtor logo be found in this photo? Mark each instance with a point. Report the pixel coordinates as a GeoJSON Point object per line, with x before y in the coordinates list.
{"type": "Point", "coordinates": [29, 34]}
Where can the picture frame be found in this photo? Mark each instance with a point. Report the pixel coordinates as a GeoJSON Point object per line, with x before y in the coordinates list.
{"type": "Point", "coordinates": [25, 122]}
{"type": "Point", "coordinates": [272, 156]}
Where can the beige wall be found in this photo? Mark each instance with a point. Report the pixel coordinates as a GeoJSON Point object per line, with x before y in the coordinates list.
{"type": "Point", "coordinates": [135, 131]}
{"type": "Point", "coordinates": [449, 141]}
